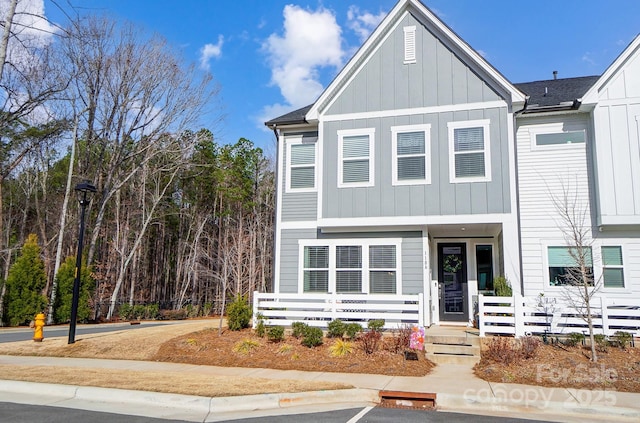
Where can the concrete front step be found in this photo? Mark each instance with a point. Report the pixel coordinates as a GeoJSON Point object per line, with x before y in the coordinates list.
{"type": "Point", "coordinates": [453, 349]}
{"type": "Point", "coordinates": [453, 359]}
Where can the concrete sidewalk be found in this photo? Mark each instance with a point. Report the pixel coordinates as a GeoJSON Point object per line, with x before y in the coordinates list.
{"type": "Point", "coordinates": [457, 389]}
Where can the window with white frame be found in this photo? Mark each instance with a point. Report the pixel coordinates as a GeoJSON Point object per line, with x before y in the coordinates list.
{"type": "Point", "coordinates": [351, 266]}
{"type": "Point", "coordinates": [348, 268]}
{"type": "Point", "coordinates": [565, 265]}
{"type": "Point", "coordinates": [316, 269]}
{"type": "Point", "coordinates": [301, 165]}
{"type": "Point", "coordinates": [558, 135]}
{"type": "Point", "coordinates": [411, 149]}
{"type": "Point", "coordinates": [382, 269]}
{"type": "Point", "coordinates": [409, 44]}
{"type": "Point", "coordinates": [560, 138]}
{"type": "Point", "coordinates": [355, 154]}
{"type": "Point", "coordinates": [612, 267]}
{"type": "Point", "coordinates": [469, 151]}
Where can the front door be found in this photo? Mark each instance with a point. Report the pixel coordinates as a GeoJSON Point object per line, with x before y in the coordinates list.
{"type": "Point", "coordinates": [452, 282]}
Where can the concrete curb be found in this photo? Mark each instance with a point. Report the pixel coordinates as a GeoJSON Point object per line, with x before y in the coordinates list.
{"type": "Point", "coordinates": [570, 407]}
{"type": "Point", "coordinates": [192, 403]}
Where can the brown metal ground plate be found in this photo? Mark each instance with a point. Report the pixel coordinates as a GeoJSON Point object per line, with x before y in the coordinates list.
{"type": "Point", "coordinates": [408, 400]}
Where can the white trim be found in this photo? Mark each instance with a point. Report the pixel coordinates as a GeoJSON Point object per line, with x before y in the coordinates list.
{"type": "Point", "coordinates": [277, 235]}
{"type": "Point", "coordinates": [298, 140]}
{"type": "Point", "coordinates": [365, 243]}
{"type": "Point", "coordinates": [626, 287]}
{"type": "Point", "coordinates": [426, 278]}
{"type": "Point", "coordinates": [299, 224]}
{"type": "Point", "coordinates": [410, 47]}
{"type": "Point", "coordinates": [392, 222]}
{"type": "Point", "coordinates": [494, 260]}
{"type": "Point", "coordinates": [320, 171]}
{"type": "Point", "coordinates": [395, 130]}
{"type": "Point", "coordinates": [369, 132]}
{"type": "Point", "coordinates": [416, 111]}
{"type": "Point", "coordinates": [484, 124]}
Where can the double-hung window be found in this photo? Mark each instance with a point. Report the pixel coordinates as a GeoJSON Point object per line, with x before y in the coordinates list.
{"type": "Point", "coordinates": [316, 269]}
{"type": "Point", "coordinates": [565, 265]}
{"type": "Point", "coordinates": [301, 165]}
{"type": "Point", "coordinates": [382, 269]}
{"type": "Point", "coordinates": [411, 149]}
{"type": "Point", "coordinates": [469, 151]}
{"type": "Point", "coordinates": [612, 267]}
{"type": "Point", "coordinates": [348, 268]}
{"type": "Point", "coordinates": [355, 158]}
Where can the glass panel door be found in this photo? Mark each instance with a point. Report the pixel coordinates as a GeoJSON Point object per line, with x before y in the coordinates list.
{"type": "Point", "coordinates": [452, 281]}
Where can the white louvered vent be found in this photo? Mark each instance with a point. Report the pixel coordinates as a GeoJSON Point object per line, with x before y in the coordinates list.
{"type": "Point", "coordinates": [409, 44]}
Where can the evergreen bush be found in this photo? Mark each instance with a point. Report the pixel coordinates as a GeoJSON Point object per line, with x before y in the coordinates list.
{"type": "Point", "coordinates": [239, 313]}
{"type": "Point", "coordinates": [502, 287]}
{"type": "Point", "coordinates": [335, 329]}
{"type": "Point", "coordinates": [64, 294]}
{"type": "Point", "coordinates": [275, 333]}
{"type": "Point", "coordinates": [312, 337]}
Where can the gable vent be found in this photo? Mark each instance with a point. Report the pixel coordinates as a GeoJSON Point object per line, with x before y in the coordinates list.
{"type": "Point", "coordinates": [409, 44]}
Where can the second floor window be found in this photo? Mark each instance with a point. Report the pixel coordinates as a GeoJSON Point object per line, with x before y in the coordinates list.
{"type": "Point", "coordinates": [355, 168]}
{"type": "Point", "coordinates": [301, 159]}
{"type": "Point", "coordinates": [469, 153]}
{"type": "Point", "coordinates": [411, 152]}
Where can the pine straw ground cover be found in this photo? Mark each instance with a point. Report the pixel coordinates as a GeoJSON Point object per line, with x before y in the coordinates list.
{"type": "Point", "coordinates": [557, 365]}
{"type": "Point", "coordinates": [208, 348]}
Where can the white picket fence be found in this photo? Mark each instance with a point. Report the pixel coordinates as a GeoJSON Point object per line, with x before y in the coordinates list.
{"type": "Point", "coordinates": [519, 316]}
{"type": "Point", "coordinates": [320, 309]}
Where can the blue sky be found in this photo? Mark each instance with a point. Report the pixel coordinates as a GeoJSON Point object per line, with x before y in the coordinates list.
{"type": "Point", "coordinates": [270, 57]}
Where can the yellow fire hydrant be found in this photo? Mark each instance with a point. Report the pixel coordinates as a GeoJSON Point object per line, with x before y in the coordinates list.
{"type": "Point", "coordinates": [38, 328]}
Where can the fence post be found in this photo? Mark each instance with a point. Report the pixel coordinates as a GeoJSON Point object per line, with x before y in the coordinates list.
{"type": "Point", "coordinates": [604, 313]}
{"type": "Point", "coordinates": [518, 315]}
{"type": "Point", "coordinates": [481, 314]}
{"type": "Point", "coordinates": [255, 309]}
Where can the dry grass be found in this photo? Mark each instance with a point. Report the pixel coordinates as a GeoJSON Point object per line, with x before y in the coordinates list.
{"type": "Point", "coordinates": [137, 344]}
{"type": "Point", "coordinates": [173, 382]}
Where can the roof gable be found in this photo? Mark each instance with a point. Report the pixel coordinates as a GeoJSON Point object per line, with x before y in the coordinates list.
{"type": "Point", "coordinates": [421, 12]}
{"type": "Point", "coordinates": [630, 57]}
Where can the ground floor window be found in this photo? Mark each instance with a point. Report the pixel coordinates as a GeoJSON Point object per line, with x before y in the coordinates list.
{"type": "Point", "coordinates": [612, 268]}
{"type": "Point", "coordinates": [356, 266]}
{"type": "Point", "coordinates": [484, 267]}
{"type": "Point", "coordinates": [565, 264]}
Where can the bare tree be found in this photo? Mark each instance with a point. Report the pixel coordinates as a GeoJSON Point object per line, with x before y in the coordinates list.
{"type": "Point", "coordinates": [579, 279]}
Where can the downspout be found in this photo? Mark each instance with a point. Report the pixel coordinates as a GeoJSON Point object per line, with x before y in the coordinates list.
{"type": "Point", "coordinates": [275, 214]}
{"type": "Point", "coordinates": [517, 182]}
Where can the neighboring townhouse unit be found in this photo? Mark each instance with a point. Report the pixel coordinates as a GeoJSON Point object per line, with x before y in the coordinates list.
{"type": "Point", "coordinates": [422, 171]}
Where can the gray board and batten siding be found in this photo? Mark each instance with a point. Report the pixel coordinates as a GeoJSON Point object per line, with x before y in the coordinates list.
{"type": "Point", "coordinates": [298, 205]}
{"type": "Point", "coordinates": [440, 197]}
{"type": "Point", "coordinates": [438, 78]}
{"type": "Point", "coordinates": [411, 256]}
{"type": "Point", "coordinates": [384, 83]}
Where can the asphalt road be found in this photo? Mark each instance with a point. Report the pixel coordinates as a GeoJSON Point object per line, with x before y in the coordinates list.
{"type": "Point", "coordinates": [19, 413]}
{"type": "Point", "coordinates": [13, 335]}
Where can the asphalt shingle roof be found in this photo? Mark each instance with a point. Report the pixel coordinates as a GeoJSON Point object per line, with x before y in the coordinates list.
{"type": "Point", "coordinates": [542, 95]}
{"type": "Point", "coordinates": [556, 92]}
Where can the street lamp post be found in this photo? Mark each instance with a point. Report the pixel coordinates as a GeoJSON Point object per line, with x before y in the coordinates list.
{"type": "Point", "coordinates": [83, 189]}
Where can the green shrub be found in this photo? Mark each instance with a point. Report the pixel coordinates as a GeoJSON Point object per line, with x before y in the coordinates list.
{"type": "Point", "coordinates": [352, 330]}
{"type": "Point", "coordinates": [275, 333]}
{"type": "Point", "coordinates": [261, 329]}
{"type": "Point", "coordinates": [125, 311]}
{"type": "Point", "coordinates": [64, 294]}
{"type": "Point", "coordinates": [207, 309]}
{"type": "Point", "coordinates": [312, 337]}
{"type": "Point", "coordinates": [335, 329]}
{"type": "Point", "coordinates": [375, 325]}
{"type": "Point", "coordinates": [621, 339]}
{"type": "Point", "coordinates": [299, 329]}
{"type": "Point", "coordinates": [151, 311]}
{"type": "Point", "coordinates": [574, 339]}
{"type": "Point", "coordinates": [602, 344]}
{"type": "Point", "coordinates": [239, 313]}
{"type": "Point", "coordinates": [138, 311]}
{"type": "Point", "coordinates": [502, 286]}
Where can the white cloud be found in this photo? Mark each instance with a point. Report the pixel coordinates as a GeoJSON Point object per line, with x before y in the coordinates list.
{"type": "Point", "coordinates": [588, 58]}
{"type": "Point", "coordinates": [363, 23]}
{"type": "Point", "coordinates": [30, 27]}
{"type": "Point", "coordinates": [311, 40]}
{"type": "Point", "coordinates": [482, 53]}
{"type": "Point", "coordinates": [210, 51]}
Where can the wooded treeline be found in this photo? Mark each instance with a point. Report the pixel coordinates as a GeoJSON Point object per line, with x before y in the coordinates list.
{"type": "Point", "coordinates": [177, 220]}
